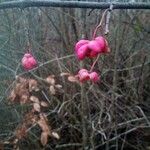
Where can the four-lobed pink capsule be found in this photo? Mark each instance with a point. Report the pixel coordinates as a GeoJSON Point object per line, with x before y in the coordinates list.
{"type": "Point", "coordinates": [86, 48]}
{"type": "Point", "coordinates": [28, 61]}
{"type": "Point", "coordinates": [84, 75]}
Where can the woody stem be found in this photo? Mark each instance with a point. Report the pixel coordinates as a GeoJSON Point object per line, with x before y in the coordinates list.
{"type": "Point", "coordinates": [100, 23]}
{"type": "Point", "coordinates": [94, 63]}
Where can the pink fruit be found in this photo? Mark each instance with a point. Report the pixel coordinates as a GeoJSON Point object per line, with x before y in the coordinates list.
{"type": "Point", "coordinates": [80, 43]}
{"type": "Point", "coordinates": [102, 43]}
{"type": "Point", "coordinates": [28, 61]}
{"type": "Point", "coordinates": [94, 77]}
{"type": "Point", "coordinates": [83, 75]}
{"type": "Point", "coordinates": [94, 46]}
{"type": "Point", "coordinates": [82, 70]}
{"type": "Point", "coordinates": [92, 54]}
{"type": "Point", "coordinates": [81, 52]}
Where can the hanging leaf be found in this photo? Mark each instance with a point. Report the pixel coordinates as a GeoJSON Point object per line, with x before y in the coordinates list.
{"type": "Point", "coordinates": [21, 132]}
{"type": "Point", "coordinates": [24, 99]}
{"type": "Point", "coordinates": [21, 79]}
{"type": "Point", "coordinates": [43, 123]}
{"type": "Point", "coordinates": [33, 85]}
{"type": "Point", "coordinates": [44, 138]}
{"type": "Point", "coordinates": [58, 86]}
{"type": "Point", "coordinates": [72, 79]}
{"type": "Point", "coordinates": [64, 74]}
{"type": "Point", "coordinates": [37, 107]}
{"type": "Point", "coordinates": [52, 90]}
{"type": "Point", "coordinates": [50, 80]}
{"type": "Point", "coordinates": [34, 99]}
{"type": "Point", "coordinates": [12, 96]}
{"type": "Point", "coordinates": [44, 104]}
{"type": "Point", "coordinates": [55, 135]}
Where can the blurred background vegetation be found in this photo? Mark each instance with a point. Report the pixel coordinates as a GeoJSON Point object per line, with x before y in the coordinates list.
{"type": "Point", "coordinates": [117, 114]}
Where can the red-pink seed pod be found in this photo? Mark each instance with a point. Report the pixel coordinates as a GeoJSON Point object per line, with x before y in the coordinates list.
{"type": "Point", "coordinates": [93, 54]}
{"type": "Point", "coordinates": [103, 44]}
{"type": "Point", "coordinates": [94, 46]}
{"type": "Point", "coordinates": [82, 70]}
{"type": "Point", "coordinates": [107, 49]}
{"type": "Point", "coordinates": [27, 55]}
{"type": "Point", "coordinates": [81, 52]}
{"type": "Point", "coordinates": [94, 77]}
{"type": "Point", "coordinates": [83, 75]}
{"type": "Point", "coordinates": [28, 61]}
{"type": "Point", "coordinates": [80, 43]}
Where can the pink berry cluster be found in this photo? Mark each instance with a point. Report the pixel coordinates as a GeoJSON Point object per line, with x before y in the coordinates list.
{"type": "Point", "coordinates": [90, 49]}
{"type": "Point", "coordinates": [28, 61]}
{"type": "Point", "coordinates": [84, 75]}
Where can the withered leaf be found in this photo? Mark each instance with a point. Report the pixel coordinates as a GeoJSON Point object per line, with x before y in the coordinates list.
{"type": "Point", "coordinates": [36, 107]}
{"type": "Point", "coordinates": [34, 99]}
{"type": "Point", "coordinates": [24, 98]}
{"type": "Point", "coordinates": [21, 79]}
{"type": "Point", "coordinates": [21, 132]}
{"type": "Point", "coordinates": [55, 135]}
{"type": "Point", "coordinates": [44, 138]}
{"type": "Point", "coordinates": [15, 141]}
{"type": "Point", "coordinates": [6, 142]}
{"type": "Point", "coordinates": [44, 104]}
{"type": "Point", "coordinates": [33, 85]}
{"type": "Point", "coordinates": [43, 123]}
{"type": "Point", "coordinates": [72, 79]}
{"type": "Point", "coordinates": [58, 86]}
{"type": "Point", "coordinates": [50, 80]}
{"type": "Point", "coordinates": [64, 74]}
{"type": "Point", "coordinates": [30, 118]}
{"type": "Point", "coordinates": [12, 96]}
{"type": "Point", "coordinates": [52, 90]}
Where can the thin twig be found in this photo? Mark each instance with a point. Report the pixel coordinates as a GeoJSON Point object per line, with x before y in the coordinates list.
{"type": "Point", "coordinates": [92, 67]}
{"type": "Point", "coordinates": [108, 19]}
{"type": "Point", "coordinates": [69, 145]}
{"type": "Point", "coordinates": [100, 23]}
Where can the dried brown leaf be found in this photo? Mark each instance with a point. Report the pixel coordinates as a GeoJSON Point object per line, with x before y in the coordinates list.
{"type": "Point", "coordinates": [15, 141]}
{"type": "Point", "coordinates": [50, 80]}
{"type": "Point", "coordinates": [7, 142]}
{"type": "Point", "coordinates": [22, 92]}
{"type": "Point", "coordinates": [64, 74]}
{"type": "Point", "coordinates": [21, 79]}
{"type": "Point", "coordinates": [43, 123]}
{"type": "Point", "coordinates": [30, 118]}
{"type": "Point", "coordinates": [21, 132]}
{"type": "Point", "coordinates": [34, 99]}
{"type": "Point", "coordinates": [52, 90]}
{"type": "Point", "coordinates": [44, 138]}
{"type": "Point", "coordinates": [24, 99]}
{"type": "Point", "coordinates": [33, 85]}
{"type": "Point", "coordinates": [55, 135]}
{"type": "Point", "coordinates": [12, 96]}
{"type": "Point", "coordinates": [36, 107]}
{"type": "Point", "coordinates": [72, 79]}
{"type": "Point", "coordinates": [44, 104]}
{"type": "Point", "coordinates": [58, 86]}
